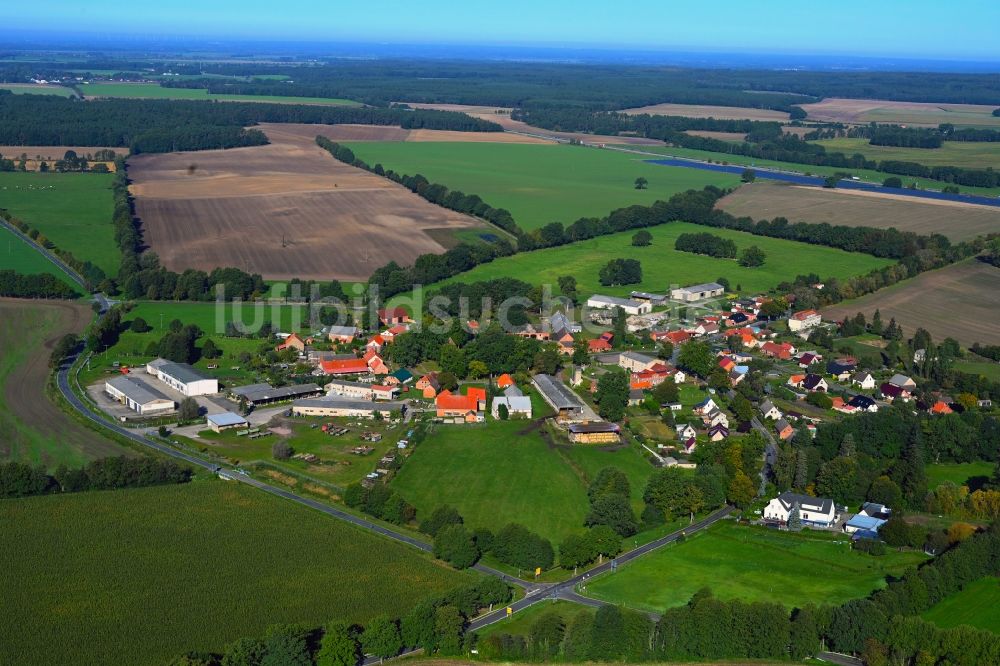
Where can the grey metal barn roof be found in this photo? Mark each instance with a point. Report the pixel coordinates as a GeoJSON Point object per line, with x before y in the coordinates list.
{"type": "Point", "coordinates": [183, 372]}
{"type": "Point", "coordinates": [558, 394]}
{"type": "Point", "coordinates": [136, 391]}
{"type": "Point", "coordinates": [706, 286]}
{"type": "Point", "coordinates": [259, 392]}
{"type": "Point", "coordinates": [226, 419]}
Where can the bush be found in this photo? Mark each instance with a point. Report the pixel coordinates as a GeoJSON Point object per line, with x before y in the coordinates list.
{"type": "Point", "coordinates": [893, 181]}
{"type": "Point", "coordinates": [870, 546]}
{"type": "Point", "coordinates": [281, 450]}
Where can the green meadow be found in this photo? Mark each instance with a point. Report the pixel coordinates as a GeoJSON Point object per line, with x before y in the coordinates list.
{"type": "Point", "coordinates": [978, 605]}
{"type": "Point", "coordinates": [506, 471]}
{"type": "Point", "coordinates": [36, 89]}
{"type": "Point", "coordinates": [969, 154]}
{"type": "Point", "coordinates": [17, 255]}
{"type": "Point", "coordinates": [663, 266]}
{"type": "Point", "coordinates": [540, 183]}
{"type": "Point", "coordinates": [957, 473]}
{"type": "Point", "coordinates": [155, 91]}
{"type": "Point", "coordinates": [73, 210]}
{"type": "Point", "coordinates": [140, 576]}
{"type": "Point", "coordinates": [753, 564]}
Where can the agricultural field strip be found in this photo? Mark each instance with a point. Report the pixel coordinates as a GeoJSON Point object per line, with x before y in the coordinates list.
{"type": "Point", "coordinates": [69, 272]}
{"type": "Point", "coordinates": [564, 588]}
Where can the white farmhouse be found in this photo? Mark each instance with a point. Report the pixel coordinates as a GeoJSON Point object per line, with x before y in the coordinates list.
{"type": "Point", "coordinates": [630, 306]}
{"type": "Point", "coordinates": [813, 511]}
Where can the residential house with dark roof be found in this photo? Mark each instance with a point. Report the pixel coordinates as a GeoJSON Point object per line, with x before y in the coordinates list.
{"type": "Point", "coordinates": [813, 511]}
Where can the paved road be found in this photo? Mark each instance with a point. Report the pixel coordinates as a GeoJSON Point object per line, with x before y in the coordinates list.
{"type": "Point", "coordinates": [841, 659]}
{"type": "Point", "coordinates": [770, 454]}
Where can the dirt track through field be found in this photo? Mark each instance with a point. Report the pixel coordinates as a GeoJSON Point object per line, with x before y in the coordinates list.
{"type": "Point", "coordinates": [24, 388]}
{"type": "Point", "coordinates": [959, 301]}
{"type": "Point", "coordinates": [955, 219]}
{"type": "Point", "coordinates": [284, 210]}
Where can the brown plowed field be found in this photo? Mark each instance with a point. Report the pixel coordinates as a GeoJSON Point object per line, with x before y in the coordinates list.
{"type": "Point", "coordinates": [721, 136]}
{"type": "Point", "coordinates": [32, 428]}
{"type": "Point", "coordinates": [959, 301]}
{"type": "Point", "coordinates": [283, 210]}
{"type": "Point", "coordinates": [929, 114]}
{"type": "Point", "coordinates": [956, 220]}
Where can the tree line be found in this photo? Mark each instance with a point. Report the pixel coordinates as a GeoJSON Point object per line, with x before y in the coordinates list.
{"type": "Point", "coordinates": [92, 275]}
{"type": "Point", "coordinates": [438, 625]}
{"type": "Point", "coordinates": [22, 480]}
{"type": "Point", "coordinates": [706, 243]}
{"type": "Point", "coordinates": [42, 285]}
{"type": "Point", "coordinates": [160, 125]}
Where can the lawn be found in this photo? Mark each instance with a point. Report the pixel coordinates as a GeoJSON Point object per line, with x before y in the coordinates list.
{"type": "Point", "coordinates": [506, 471]}
{"type": "Point", "coordinates": [17, 255]}
{"type": "Point", "coordinates": [154, 91]}
{"type": "Point", "coordinates": [210, 318]}
{"type": "Point", "coordinates": [969, 154]}
{"type": "Point", "coordinates": [864, 174]}
{"type": "Point", "coordinates": [540, 183]}
{"type": "Point", "coordinates": [978, 605]}
{"type": "Point", "coordinates": [72, 209]}
{"type": "Point", "coordinates": [663, 266]}
{"type": "Point", "coordinates": [958, 473]}
{"type": "Point", "coordinates": [754, 564]}
{"type": "Point", "coordinates": [160, 571]}
{"type": "Point", "coordinates": [520, 623]}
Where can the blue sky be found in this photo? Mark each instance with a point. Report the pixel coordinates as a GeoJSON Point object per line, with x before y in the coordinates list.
{"type": "Point", "coordinates": [960, 29]}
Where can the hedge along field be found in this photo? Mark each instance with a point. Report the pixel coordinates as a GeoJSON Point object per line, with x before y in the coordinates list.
{"type": "Point", "coordinates": [753, 564]}
{"type": "Point", "coordinates": [662, 265]}
{"type": "Point", "coordinates": [540, 183]}
{"type": "Point", "coordinates": [72, 209]}
{"type": "Point", "coordinates": [969, 154]}
{"type": "Point", "coordinates": [154, 91]}
{"type": "Point", "coordinates": [138, 576]}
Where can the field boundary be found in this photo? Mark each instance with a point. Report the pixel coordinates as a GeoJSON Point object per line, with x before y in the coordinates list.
{"type": "Point", "coordinates": [59, 263]}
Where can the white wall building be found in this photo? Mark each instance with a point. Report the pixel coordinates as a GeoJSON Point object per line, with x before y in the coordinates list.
{"type": "Point", "coordinates": [813, 511]}
{"type": "Point", "coordinates": [183, 377]}
{"type": "Point", "coordinates": [630, 306]}
{"type": "Point", "coordinates": [137, 396]}
{"type": "Point", "coordinates": [697, 292]}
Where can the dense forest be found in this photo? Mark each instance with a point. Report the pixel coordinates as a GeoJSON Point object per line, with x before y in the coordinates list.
{"type": "Point", "coordinates": [152, 125]}
{"type": "Point", "coordinates": [537, 84]}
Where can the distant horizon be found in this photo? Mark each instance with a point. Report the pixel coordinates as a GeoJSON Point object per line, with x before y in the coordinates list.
{"type": "Point", "coordinates": [909, 30]}
{"type": "Point", "coordinates": [172, 45]}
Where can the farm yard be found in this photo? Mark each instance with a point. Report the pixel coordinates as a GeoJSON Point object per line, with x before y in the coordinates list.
{"type": "Point", "coordinates": [958, 301]}
{"type": "Point", "coordinates": [217, 555]}
{"type": "Point", "coordinates": [978, 605]}
{"type": "Point", "coordinates": [32, 428]}
{"type": "Point", "coordinates": [968, 154]}
{"type": "Point", "coordinates": [753, 564]}
{"type": "Point", "coordinates": [766, 200]}
{"type": "Point", "coordinates": [539, 184]}
{"type": "Point", "coordinates": [707, 111]}
{"type": "Point", "coordinates": [155, 91]}
{"type": "Point", "coordinates": [662, 265]}
{"type": "Point", "coordinates": [296, 210]}
{"type": "Point", "coordinates": [72, 209]}
{"type": "Point", "coordinates": [931, 114]}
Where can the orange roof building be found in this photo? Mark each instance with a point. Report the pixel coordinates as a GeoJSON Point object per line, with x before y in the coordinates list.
{"type": "Point", "coordinates": [504, 380]}
{"type": "Point", "coordinates": [450, 404]}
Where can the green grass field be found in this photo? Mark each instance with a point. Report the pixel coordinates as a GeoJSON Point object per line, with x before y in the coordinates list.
{"type": "Point", "coordinates": [154, 91]}
{"type": "Point", "coordinates": [143, 575]}
{"type": "Point", "coordinates": [539, 184]}
{"type": "Point", "coordinates": [36, 89]}
{"type": "Point", "coordinates": [978, 605]}
{"type": "Point", "coordinates": [972, 155]}
{"type": "Point", "coordinates": [957, 473]}
{"type": "Point", "coordinates": [987, 369]}
{"type": "Point", "coordinates": [72, 209]}
{"type": "Point", "coordinates": [662, 265]}
{"type": "Point", "coordinates": [754, 564]}
{"type": "Point", "coordinates": [17, 255]}
{"type": "Point", "coordinates": [864, 174]}
{"type": "Point", "coordinates": [131, 346]}
{"type": "Point", "coordinates": [503, 472]}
